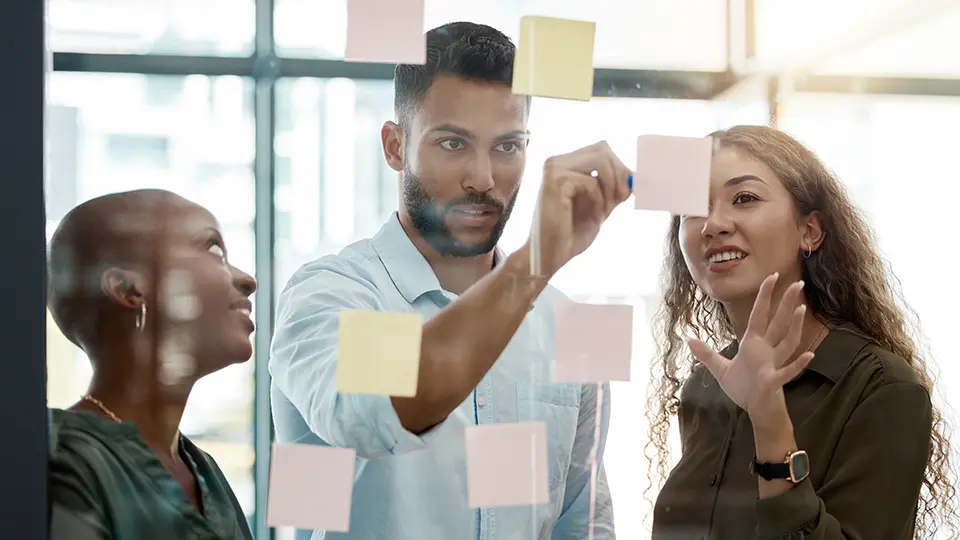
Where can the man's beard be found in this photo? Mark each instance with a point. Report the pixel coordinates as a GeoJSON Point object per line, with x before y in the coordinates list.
{"type": "Point", "coordinates": [429, 218]}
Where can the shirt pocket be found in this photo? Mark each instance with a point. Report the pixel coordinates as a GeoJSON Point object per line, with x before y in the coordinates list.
{"type": "Point", "coordinates": [558, 406]}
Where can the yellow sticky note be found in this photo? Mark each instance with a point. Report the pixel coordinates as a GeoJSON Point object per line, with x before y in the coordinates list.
{"type": "Point", "coordinates": [554, 58]}
{"type": "Point", "coordinates": [379, 352]}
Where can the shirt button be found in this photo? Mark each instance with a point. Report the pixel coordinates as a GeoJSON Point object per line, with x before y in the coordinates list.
{"type": "Point", "coordinates": [481, 401]}
{"type": "Point", "coordinates": [713, 480]}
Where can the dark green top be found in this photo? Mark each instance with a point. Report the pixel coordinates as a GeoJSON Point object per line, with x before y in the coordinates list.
{"type": "Point", "coordinates": [865, 422]}
{"type": "Point", "coordinates": [107, 482]}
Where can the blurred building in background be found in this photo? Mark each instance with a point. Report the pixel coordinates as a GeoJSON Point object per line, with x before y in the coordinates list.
{"type": "Point", "coordinates": [247, 108]}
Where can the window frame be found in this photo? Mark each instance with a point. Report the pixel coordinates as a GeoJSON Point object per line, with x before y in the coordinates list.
{"type": "Point", "coordinates": [265, 66]}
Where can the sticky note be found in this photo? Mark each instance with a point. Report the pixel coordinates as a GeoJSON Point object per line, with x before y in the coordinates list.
{"type": "Point", "coordinates": [379, 352]}
{"type": "Point", "coordinates": [387, 31]}
{"type": "Point", "coordinates": [554, 58]}
{"type": "Point", "coordinates": [310, 487]}
{"type": "Point", "coordinates": [673, 174]}
{"type": "Point", "coordinates": [594, 343]}
{"type": "Point", "coordinates": [507, 464]}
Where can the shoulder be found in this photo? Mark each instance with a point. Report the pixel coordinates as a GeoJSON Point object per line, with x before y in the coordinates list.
{"type": "Point", "coordinates": [358, 261]}
{"type": "Point", "coordinates": [868, 360]}
{"type": "Point", "coordinates": [351, 278]}
{"type": "Point", "coordinates": [890, 379]}
{"type": "Point", "coordinates": [75, 434]}
{"type": "Point", "coordinates": [876, 374]}
{"type": "Point", "coordinates": [80, 456]}
{"type": "Point", "coordinates": [889, 367]}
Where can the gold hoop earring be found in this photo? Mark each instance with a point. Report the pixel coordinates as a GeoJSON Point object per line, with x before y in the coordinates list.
{"type": "Point", "coordinates": [141, 320]}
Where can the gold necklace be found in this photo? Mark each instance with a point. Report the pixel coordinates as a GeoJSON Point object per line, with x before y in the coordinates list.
{"type": "Point", "coordinates": [814, 342]}
{"type": "Point", "coordinates": [103, 408]}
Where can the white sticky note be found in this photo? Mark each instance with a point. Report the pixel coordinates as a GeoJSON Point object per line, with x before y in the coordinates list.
{"type": "Point", "coordinates": [554, 58]}
{"type": "Point", "coordinates": [385, 31]}
{"type": "Point", "coordinates": [311, 487]}
{"type": "Point", "coordinates": [673, 174]}
{"type": "Point", "coordinates": [379, 352]}
{"type": "Point", "coordinates": [594, 343]}
{"type": "Point", "coordinates": [507, 465]}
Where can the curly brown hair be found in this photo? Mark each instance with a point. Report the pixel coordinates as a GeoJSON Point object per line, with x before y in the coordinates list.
{"type": "Point", "coordinates": [846, 280]}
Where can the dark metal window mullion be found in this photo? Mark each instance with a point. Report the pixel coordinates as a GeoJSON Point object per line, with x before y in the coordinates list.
{"type": "Point", "coordinates": [266, 68]}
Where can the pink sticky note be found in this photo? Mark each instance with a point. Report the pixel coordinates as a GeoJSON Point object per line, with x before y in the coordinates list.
{"type": "Point", "coordinates": [387, 31]}
{"type": "Point", "coordinates": [593, 343]}
{"type": "Point", "coordinates": [673, 174]}
{"type": "Point", "coordinates": [507, 464]}
{"type": "Point", "coordinates": [310, 487]}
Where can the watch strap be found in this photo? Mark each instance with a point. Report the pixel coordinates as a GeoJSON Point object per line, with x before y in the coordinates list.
{"type": "Point", "coordinates": [771, 471]}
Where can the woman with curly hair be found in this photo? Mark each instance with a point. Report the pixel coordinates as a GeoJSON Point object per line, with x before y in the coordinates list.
{"type": "Point", "coordinates": [815, 418]}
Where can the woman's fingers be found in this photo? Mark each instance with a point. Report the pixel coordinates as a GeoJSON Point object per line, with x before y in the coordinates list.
{"type": "Point", "coordinates": [780, 325]}
{"type": "Point", "coordinates": [714, 361]}
{"type": "Point", "coordinates": [760, 315]}
{"type": "Point", "coordinates": [785, 350]}
{"type": "Point", "coordinates": [793, 369]}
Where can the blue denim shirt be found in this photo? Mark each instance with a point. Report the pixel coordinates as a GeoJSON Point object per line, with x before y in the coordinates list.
{"type": "Point", "coordinates": [410, 487]}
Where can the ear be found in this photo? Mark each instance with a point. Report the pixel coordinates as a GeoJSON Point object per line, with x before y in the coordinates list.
{"type": "Point", "coordinates": [812, 229]}
{"type": "Point", "coordinates": [124, 287]}
{"type": "Point", "coordinates": [391, 137]}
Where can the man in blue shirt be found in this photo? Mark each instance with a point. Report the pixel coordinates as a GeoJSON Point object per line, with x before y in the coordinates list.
{"type": "Point", "coordinates": [486, 355]}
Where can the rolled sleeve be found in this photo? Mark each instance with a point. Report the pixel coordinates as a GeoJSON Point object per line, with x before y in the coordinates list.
{"type": "Point", "coordinates": [303, 363]}
{"type": "Point", "coordinates": [871, 489]}
{"type": "Point", "coordinates": [574, 521]}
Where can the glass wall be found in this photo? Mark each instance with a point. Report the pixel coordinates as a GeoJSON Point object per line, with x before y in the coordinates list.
{"type": "Point", "coordinates": [895, 38]}
{"type": "Point", "coordinates": [203, 136]}
{"type": "Point", "coordinates": [683, 34]}
{"type": "Point", "coordinates": [332, 183]}
{"type": "Point", "coordinates": [345, 191]}
{"type": "Point", "coordinates": [187, 27]}
{"type": "Point", "coordinates": [895, 153]}
{"type": "Point", "coordinates": [191, 135]}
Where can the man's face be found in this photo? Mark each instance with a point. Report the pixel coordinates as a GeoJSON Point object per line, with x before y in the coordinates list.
{"type": "Point", "coordinates": [463, 157]}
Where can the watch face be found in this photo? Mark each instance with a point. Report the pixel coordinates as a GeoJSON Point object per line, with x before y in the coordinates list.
{"type": "Point", "coordinates": [799, 466]}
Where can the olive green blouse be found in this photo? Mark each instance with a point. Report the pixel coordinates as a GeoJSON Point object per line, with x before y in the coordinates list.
{"type": "Point", "coordinates": [105, 483]}
{"type": "Point", "coordinates": [864, 420]}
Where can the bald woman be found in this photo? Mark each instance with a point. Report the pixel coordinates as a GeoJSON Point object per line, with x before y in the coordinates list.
{"type": "Point", "coordinates": [141, 282]}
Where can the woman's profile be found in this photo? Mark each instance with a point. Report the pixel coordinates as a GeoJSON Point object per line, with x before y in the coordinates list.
{"type": "Point", "coordinates": [814, 419]}
{"type": "Point", "coordinates": [141, 282]}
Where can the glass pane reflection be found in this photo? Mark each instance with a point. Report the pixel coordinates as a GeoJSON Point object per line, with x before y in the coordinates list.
{"type": "Point", "coordinates": [333, 187]}
{"type": "Point", "coordinates": [190, 135]}
{"type": "Point", "coordinates": [188, 27]}
{"type": "Point", "coordinates": [642, 33]}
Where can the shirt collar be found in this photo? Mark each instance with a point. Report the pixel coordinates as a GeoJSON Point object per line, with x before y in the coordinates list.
{"type": "Point", "coordinates": [838, 350]}
{"type": "Point", "coordinates": [835, 353]}
{"type": "Point", "coordinates": [407, 267]}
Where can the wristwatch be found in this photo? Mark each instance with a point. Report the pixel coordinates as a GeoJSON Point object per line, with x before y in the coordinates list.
{"type": "Point", "coordinates": [795, 468]}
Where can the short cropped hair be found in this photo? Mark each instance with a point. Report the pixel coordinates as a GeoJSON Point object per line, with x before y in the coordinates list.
{"type": "Point", "coordinates": [463, 49]}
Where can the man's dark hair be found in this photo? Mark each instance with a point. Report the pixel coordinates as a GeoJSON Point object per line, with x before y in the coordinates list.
{"type": "Point", "coordinates": [464, 49]}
